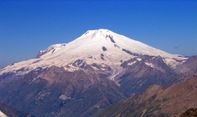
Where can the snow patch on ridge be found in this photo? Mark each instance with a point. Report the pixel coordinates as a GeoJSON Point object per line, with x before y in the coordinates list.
{"type": "Point", "coordinates": [150, 64]}
{"type": "Point", "coordinates": [2, 114]}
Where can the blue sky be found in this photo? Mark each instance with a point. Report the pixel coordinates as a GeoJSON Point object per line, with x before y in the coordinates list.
{"type": "Point", "coordinates": [29, 26]}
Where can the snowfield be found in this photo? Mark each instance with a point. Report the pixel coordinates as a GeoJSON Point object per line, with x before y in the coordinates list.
{"type": "Point", "coordinates": [100, 46]}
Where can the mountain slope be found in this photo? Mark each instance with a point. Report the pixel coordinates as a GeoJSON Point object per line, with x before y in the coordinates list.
{"type": "Point", "coordinates": [188, 67]}
{"type": "Point", "coordinates": [84, 77]}
{"type": "Point", "coordinates": [95, 46]}
{"type": "Point", "coordinates": [158, 101]}
{"type": "Point", "coordinates": [6, 111]}
{"type": "Point", "coordinates": [56, 92]}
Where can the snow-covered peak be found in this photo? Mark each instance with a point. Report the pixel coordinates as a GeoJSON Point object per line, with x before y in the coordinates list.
{"type": "Point", "coordinates": [101, 36]}
{"type": "Point", "coordinates": [104, 31]}
{"type": "Point", "coordinates": [99, 46]}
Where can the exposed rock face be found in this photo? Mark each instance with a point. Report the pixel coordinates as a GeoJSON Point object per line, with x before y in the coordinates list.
{"type": "Point", "coordinates": [158, 101]}
{"type": "Point", "coordinates": [189, 67]}
{"type": "Point", "coordinates": [86, 91]}
{"type": "Point", "coordinates": [56, 92]}
{"type": "Point", "coordinates": [7, 111]}
{"type": "Point", "coordinates": [142, 73]}
{"type": "Point", "coordinates": [192, 112]}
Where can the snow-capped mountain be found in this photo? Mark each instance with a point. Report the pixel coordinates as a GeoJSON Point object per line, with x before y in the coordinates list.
{"type": "Point", "coordinates": [87, 75]}
{"type": "Point", "coordinates": [95, 46]}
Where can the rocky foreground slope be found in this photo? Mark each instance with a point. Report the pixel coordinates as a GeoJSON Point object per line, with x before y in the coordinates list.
{"type": "Point", "coordinates": [158, 101]}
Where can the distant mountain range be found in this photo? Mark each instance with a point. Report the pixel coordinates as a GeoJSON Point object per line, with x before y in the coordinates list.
{"type": "Point", "coordinates": [101, 73]}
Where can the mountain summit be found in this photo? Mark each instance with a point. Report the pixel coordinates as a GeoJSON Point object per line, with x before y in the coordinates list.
{"type": "Point", "coordinates": [86, 76]}
{"type": "Point", "coordinates": [100, 46]}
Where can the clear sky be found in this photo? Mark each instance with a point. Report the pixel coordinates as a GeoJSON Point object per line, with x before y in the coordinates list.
{"type": "Point", "coordinates": [27, 26]}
